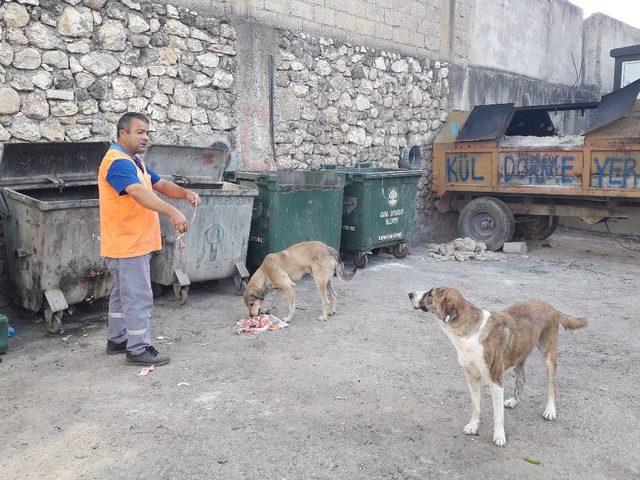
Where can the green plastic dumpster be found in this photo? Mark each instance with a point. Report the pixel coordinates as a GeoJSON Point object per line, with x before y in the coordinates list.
{"type": "Point", "coordinates": [292, 207]}
{"type": "Point", "coordinates": [379, 210]}
{"type": "Point", "coordinates": [4, 333]}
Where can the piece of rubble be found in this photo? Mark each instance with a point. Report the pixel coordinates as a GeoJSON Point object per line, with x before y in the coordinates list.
{"type": "Point", "coordinates": [462, 249]}
{"type": "Point", "coordinates": [515, 247]}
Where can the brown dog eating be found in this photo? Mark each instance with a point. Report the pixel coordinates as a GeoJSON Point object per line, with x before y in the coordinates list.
{"type": "Point", "coordinates": [279, 271]}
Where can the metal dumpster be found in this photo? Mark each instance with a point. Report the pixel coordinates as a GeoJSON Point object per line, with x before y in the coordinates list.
{"type": "Point", "coordinates": [379, 210]}
{"type": "Point", "coordinates": [51, 224]}
{"type": "Point", "coordinates": [217, 240]}
{"type": "Point", "coordinates": [292, 207]}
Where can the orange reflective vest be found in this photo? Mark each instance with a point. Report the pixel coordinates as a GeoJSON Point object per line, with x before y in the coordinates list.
{"type": "Point", "coordinates": [127, 229]}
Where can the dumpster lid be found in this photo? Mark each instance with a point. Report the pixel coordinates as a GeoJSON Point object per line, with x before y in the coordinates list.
{"type": "Point", "coordinates": [615, 105]}
{"type": "Point", "coordinates": [50, 164]}
{"type": "Point", "coordinates": [189, 164]}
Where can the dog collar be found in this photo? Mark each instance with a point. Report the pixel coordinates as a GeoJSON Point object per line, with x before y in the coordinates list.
{"type": "Point", "coordinates": [447, 319]}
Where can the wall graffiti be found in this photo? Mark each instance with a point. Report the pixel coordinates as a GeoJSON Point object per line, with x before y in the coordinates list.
{"type": "Point", "coordinates": [609, 170]}
{"type": "Point", "coordinates": [466, 168]}
{"type": "Point", "coordinates": [536, 168]}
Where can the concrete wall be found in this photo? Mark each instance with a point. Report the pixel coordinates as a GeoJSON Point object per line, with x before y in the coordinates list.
{"type": "Point", "coordinates": [532, 38]}
{"type": "Point", "coordinates": [256, 42]}
{"type": "Point", "coordinates": [601, 35]}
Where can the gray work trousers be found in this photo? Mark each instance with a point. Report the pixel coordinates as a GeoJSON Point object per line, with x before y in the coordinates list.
{"type": "Point", "coordinates": [130, 303]}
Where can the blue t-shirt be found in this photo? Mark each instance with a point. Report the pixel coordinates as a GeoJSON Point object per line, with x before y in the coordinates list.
{"type": "Point", "coordinates": [122, 173]}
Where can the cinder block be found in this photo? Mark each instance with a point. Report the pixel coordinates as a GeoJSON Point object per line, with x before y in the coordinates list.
{"type": "Point", "coordinates": [383, 31]}
{"type": "Point", "coordinates": [366, 27]}
{"type": "Point", "coordinates": [346, 21]}
{"type": "Point", "coordinates": [515, 247]}
{"type": "Point", "coordinates": [325, 16]}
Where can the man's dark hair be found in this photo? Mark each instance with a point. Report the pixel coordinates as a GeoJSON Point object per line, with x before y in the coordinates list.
{"type": "Point", "coordinates": [125, 121]}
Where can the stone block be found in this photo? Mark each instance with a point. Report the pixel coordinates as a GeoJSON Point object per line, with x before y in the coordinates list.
{"type": "Point", "coordinates": [515, 247]}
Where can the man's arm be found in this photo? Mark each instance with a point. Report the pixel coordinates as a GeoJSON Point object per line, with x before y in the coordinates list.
{"type": "Point", "coordinates": [151, 201]}
{"type": "Point", "coordinates": [172, 190]}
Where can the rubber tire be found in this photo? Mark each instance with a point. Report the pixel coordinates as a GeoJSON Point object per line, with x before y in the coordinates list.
{"type": "Point", "coordinates": [508, 212]}
{"type": "Point", "coordinates": [360, 260]}
{"type": "Point", "coordinates": [539, 230]}
{"type": "Point", "coordinates": [53, 321]}
{"type": "Point", "coordinates": [183, 296]}
{"type": "Point", "coordinates": [401, 250]}
{"type": "Point", "coordinates": [497, 211]}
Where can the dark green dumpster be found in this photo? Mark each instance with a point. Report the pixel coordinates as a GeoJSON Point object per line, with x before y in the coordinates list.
{"type": "Point", "coordinates": [379, 210]}
{"type": "Point", "coordinates": [292, 207]}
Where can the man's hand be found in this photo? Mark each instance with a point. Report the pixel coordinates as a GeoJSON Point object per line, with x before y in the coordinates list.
{"type": "Point", "coordinates": [192, 197]}
{"type": "Point", "coordinates": [179, 221]}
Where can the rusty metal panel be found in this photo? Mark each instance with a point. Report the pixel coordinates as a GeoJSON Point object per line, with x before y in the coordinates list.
{"type": "Point", "coordinates": [615, 105]}
{"type": "Point", "coordinates": [615, 169]}
{"type": "Point", "coordinates": [625, 129]}
{"type": "Point", "coordinates": [540, 168]}
{"type": "Point", "coordinates": [467, 168]}
{"type": "Point", "coordinates": [455, 122]}
{"type": "Point", "coordinates": [486, 122]}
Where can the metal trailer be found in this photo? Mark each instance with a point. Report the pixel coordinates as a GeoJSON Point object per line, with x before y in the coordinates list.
{"type": "Point", "coordinates": [378, 211]}
{"type": "Point", "coordinates": [508, 173]}
{"type": "Point", "coordinates": [51, 225]}
{"type": "Point", "coordinates": [292, 207]}
{"type": "Point", "coordinates": [217, 241]}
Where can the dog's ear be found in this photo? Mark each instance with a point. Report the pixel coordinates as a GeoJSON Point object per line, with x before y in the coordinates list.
{"type": "Point", "coordinates": [449, 301]}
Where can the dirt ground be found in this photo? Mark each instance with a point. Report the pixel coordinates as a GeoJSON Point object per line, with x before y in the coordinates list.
{"type": "Point", "coordinates": [375, 392]}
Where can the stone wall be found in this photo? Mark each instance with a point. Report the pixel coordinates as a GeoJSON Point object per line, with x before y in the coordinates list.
{"type": "Point", "coordinates": [69, 69]}
{"type": "Point", "coordinates": [340, 103]}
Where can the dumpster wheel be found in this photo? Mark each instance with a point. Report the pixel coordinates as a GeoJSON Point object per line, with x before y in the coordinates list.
{"type": "Point", "coordinates": [156, 289]}
{"type": "Point", "coordinates": [361, 260]}
{"type": "Point", "coordinates": [401, 250]}
{"type": "Point", "coordinates": [53, 321]}
{"type": "Point", "coordinates": [181, 293]}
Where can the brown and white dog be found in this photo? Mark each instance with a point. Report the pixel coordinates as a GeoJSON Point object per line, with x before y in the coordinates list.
{"type": "Point", "coordinates": [279, 271]}
{"type": "Point", "coordinates": [489, 343]}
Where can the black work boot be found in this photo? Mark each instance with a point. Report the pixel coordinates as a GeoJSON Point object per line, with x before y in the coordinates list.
{"type": "Point", "coordinates": [149, 357]}
{"type": "Point", "coordinates": [114, 348]}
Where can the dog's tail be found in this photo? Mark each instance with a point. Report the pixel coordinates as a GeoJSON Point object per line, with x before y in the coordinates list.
{"type": "Point", "coordinates": [572, 323]}
{"type": "Point", "coordinates": [342, 274]}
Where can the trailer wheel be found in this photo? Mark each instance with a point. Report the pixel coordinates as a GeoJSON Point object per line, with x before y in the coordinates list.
{"type": "Point", "coordinates": [507, 210]}
{"type": "Point", "coordinates": [487, 220]}
{"type": "Point", "coordinates": [536, 228]}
